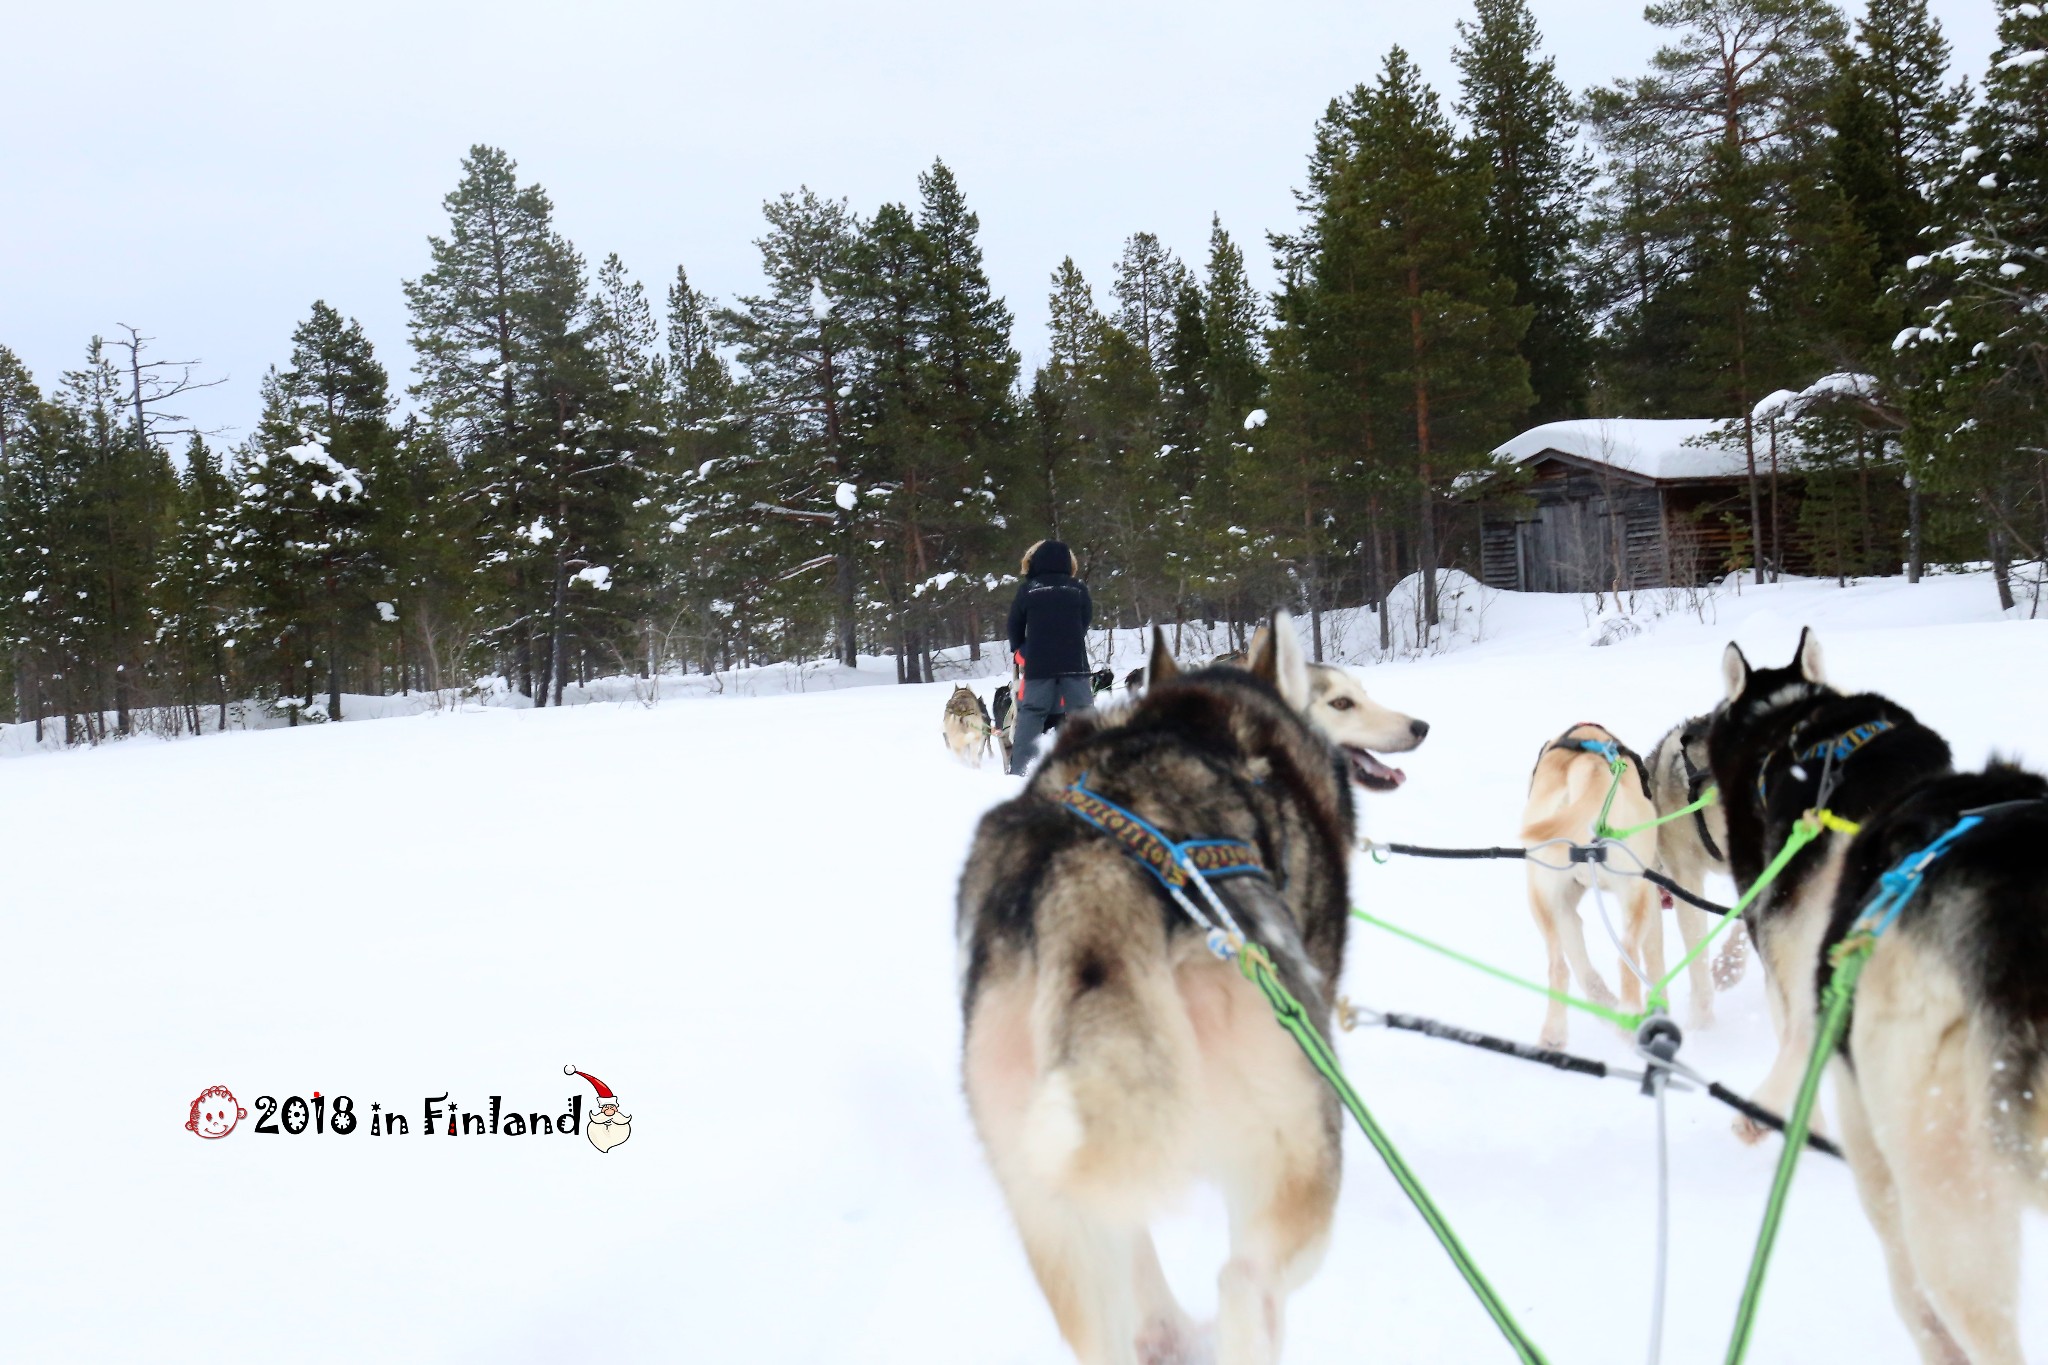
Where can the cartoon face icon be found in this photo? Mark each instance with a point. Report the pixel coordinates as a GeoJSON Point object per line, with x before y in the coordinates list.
{"type": "Point", "coordinates": [215, 1113]}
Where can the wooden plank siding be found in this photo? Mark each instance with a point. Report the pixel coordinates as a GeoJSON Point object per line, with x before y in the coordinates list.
{"type": "Point", "coordinates": [1579, 526]}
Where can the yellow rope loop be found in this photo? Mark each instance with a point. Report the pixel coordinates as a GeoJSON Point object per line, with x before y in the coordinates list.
{"type": "Point", "coordinates": [1249, 956]}
{"type": "Point", "coordinates": [1861, 941]}
{"type": "Point", "coordinates": [1818, 820]}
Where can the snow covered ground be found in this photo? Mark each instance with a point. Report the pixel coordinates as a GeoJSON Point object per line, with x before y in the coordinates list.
{"type": "Point", "coordinates": [738, 914]}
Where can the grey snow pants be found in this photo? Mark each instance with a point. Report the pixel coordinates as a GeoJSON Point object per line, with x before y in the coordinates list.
{"type": "Point", "coordinates": [1063, 696]}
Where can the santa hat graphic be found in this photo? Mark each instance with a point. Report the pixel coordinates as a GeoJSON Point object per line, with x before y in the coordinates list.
{"type": "Point", "coordinates": [604, 1092]}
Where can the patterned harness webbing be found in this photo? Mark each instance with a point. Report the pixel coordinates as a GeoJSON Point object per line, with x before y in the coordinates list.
{"type": "Point", "coordinates": [1832, 751]}
{"type": "Point", "coordinates": [1164, 858]}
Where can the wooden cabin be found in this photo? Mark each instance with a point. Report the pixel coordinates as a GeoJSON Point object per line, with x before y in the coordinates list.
{"type": "Point", "coordinates": [1630, 503]}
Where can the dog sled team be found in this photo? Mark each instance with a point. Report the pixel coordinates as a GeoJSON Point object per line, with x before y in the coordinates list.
{"type": "Point", "coordinates": [1111, 1058]}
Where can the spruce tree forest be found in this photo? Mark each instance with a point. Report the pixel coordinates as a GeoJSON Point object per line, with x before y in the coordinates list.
{"type": "Point", "coordinates": [591, 472]}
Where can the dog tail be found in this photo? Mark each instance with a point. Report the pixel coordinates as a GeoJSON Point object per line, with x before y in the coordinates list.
{"type": "Point", "coordinates": [1110, 1118]}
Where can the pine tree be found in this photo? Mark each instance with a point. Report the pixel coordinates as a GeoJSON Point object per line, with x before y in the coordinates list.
{"type": "Point", "coordinates": [1096, 405]}
{"type": "Point", "coordinates": [117, 507]}
{"type": "Point", "coordinates": [309, 490]}
{"type": "Point", "coordinates": [1729, 127]}
{"type": "Point", "coordinates": [698, 518]}
{"type": "Point", "coordinates": [1893, 124]}
{"type": "Point", "coordinates": [196, 589]}
{"type": "Point", "coordinates": [1522, 131]}
{"type": "Point", "coordinates": [794, 341]}
{"type": "Point", "coordinates": [19, 402]}
{"type": "Point", "coordinates": [496, 324]}
{"type": "Point", "coordinates": [1452, 372]}
{"type": "Point", "coordinates": [1148, 283]}
{"type": "Point", "coordinates": [1980, 426]}
{"type": "Point", "coordinates": [1231, 331]}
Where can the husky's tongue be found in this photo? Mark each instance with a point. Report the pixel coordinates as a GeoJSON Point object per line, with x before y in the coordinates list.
{"type": "Point", "coordinates": [1370, 772]}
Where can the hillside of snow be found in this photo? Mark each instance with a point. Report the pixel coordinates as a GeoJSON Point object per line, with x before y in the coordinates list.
{"type": "Point", "coordinates": [736, 910]}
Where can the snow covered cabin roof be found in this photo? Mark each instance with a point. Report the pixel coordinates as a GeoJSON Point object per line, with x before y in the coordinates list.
{"type": "Point", "coordinates": [1652, 448]}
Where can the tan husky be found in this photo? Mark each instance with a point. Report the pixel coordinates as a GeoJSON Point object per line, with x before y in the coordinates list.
{"type": "Point", "coordinates": [1110, 1059]}
{"type": "Point", "coordinates": [1565, 795]}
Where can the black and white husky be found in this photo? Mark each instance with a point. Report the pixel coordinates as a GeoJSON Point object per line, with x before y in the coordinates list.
{"type": "Point", "coordinates": [1939, 1080]}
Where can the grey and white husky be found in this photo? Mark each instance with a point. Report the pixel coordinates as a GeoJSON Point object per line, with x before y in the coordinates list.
{"type": "Point", "coordinates": [1690, 848]}
{"type": "Point", "coordinates": [1939, 1081]}
{"type": "Point", "coordinates": [1110, 1059]}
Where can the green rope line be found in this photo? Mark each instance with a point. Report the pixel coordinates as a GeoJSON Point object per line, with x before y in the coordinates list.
{"type": "Point", "coordinates": [1803, 833]}
{"type": "Point", "coordinates": [1841, 989]}
{"type": "Point", "coordinates": [1258, 969]}
{"type": "Point", "coordinates": [1615, 768]}
{"type": "Point", "coordinates": [1621, 1018]}
{"type": "Point", "coordinates": [1707, 798]}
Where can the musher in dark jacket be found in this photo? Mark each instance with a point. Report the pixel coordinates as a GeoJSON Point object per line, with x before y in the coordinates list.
{"type": "Point", "coordinates": [1049, 637]}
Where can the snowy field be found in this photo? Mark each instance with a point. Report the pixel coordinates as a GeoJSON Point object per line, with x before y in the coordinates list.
{"type": "Point", "coordinates": [737, 912]}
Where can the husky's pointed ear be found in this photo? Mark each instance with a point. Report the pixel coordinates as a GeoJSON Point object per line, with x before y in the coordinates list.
{"type": "Point", "coordinates": [1276, 657]}
{"type": "Point", "coordinates": [1734, 670]}
{"type": "Point", "coordinates": [1808, 658]}
{"type": "Point", "coordinates": [1160, 667]}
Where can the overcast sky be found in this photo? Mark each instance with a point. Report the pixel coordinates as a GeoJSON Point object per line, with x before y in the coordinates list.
{"type": "Point", "coordinates": [206, 171]}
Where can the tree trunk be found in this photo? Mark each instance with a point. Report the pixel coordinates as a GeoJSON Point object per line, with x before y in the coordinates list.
{"type": "Point", "coordinates": [1912, 528]}
{"type": "Point", "coordinates": [2001, 566]}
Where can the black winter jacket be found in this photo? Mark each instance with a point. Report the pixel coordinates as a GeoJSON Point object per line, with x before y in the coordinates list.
{"type": "Point", "coordinates": [1050, 618]}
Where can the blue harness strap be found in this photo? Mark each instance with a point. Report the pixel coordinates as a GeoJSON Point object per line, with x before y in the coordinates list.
{"type": "Point", "coordinates": [1607, 748]}
{"type": "Point", "coordinates": [1898, 886]}
{"type": "Point", "coordinates": [1168, 860]}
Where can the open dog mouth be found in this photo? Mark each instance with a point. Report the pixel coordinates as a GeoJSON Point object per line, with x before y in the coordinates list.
{"type": "Point", "coordinates": [1368, 772]}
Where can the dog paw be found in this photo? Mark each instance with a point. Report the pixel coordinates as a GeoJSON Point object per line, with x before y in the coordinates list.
{"type": "Point", "coordinates": [1553, 1041]}
{"type": "Point", "coordinates": [1749, 1130]}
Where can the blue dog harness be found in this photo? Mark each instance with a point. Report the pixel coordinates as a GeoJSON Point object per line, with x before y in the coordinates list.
{"type": "Point", "coordinates": [1898, 886]}
{"type": "Point", "coordinates": [1178, 865]}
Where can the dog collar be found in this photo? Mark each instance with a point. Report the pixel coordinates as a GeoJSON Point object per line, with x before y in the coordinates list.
{"type": "Point", "coordinates": [1830, 752]}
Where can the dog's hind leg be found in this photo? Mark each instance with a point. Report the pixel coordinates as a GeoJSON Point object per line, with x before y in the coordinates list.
{"type": "Point", "coordinates": [1571, 933]}
{"type": "Point", "coordinates": [1642, 933]}
{"type": "Point", "coordinates": [1555, 1025]}
{"type": "Point", "coordinates": [1925, 1088]}
{"type": "Point", "coordinates": [1692, 927]}
{"type": "Point", "coordinates": [1273, 1144]}
{"type": "Point", "coordinates": [1280, 1225]}
{"type": "Point", "coordinates": [1880, 1197]}
{"type": "Point", "coordinates": [1165, 1335]}
{"type": "Point", "coordinates": [1093, 1273]}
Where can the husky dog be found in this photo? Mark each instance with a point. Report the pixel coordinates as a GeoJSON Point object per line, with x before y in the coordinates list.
{"type": "Point", "coordinates": [1784, 743]}
{"type": "Point", "coordinates": [1134, 681]}
{"type": "Point", "coordinates": [1110, 1059]}
{"type": "Point", "coordinates": [1360, 727]}
{"type": "Point", "coordinates": [1689, 849]}
{"type": "Point", "coordinates": [967, 727]}
{"type": "Point", "coordinates": [1354, 722]}
{"type": "Point", "coordinates": [1566, 791]}
{"type": "Point", "coordinates": [1939, 1082]}
{"type": "Point", "coordinates": [1006, 720]}
{"type": "Point", "coordinates": [1100, 681]}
